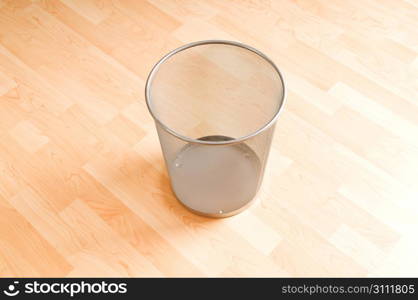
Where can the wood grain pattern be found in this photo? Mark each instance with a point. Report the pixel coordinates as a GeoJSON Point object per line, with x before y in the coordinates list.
{"type": "Point", "coordinates": [83, 188]}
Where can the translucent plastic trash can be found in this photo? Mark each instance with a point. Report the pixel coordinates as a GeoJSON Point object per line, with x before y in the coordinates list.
{"type": "Point", "coordinates": [215, 104]}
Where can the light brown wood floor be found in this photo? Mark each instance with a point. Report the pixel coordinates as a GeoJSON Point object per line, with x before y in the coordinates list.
{"type": "Point", "coordinates": [83, 188]}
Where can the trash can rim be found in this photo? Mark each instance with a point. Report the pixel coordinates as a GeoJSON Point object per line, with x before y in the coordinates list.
{"type": "Point", "coordinates": [156, 67]}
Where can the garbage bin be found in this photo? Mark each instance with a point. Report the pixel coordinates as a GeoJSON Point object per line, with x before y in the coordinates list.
{"type": "Point", "coordinates": [215, 104]}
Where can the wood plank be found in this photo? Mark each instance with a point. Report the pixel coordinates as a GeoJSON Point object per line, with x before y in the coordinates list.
{"type": "Point", "coordinates": [84, 190]}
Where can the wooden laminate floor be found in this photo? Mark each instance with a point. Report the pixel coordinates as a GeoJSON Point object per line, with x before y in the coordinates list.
{"type": "Point", "coordinates": [83, 187]}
